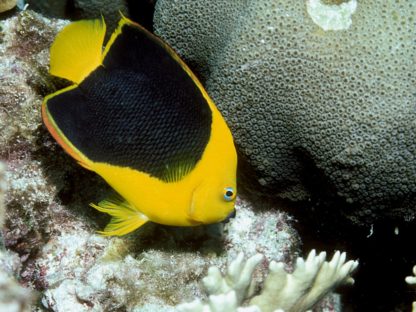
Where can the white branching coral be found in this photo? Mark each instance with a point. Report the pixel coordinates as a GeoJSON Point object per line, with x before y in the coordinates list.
{"type": "Point", "coordinates": [411, 280]}
{"type": "Point", "coordinates": [226, 293]}
{"type": "Point", "coordinates": [238, 278]}
{"type": "Point", "coordinates": [311, 280]}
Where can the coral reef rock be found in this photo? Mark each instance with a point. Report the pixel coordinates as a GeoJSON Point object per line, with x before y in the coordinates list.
{"type": "Point", "coordinates": [155, 267]}
{"type": "Point", "coordinates": [79, 8]}
{"type": "Point", "coordinates": [141, 11]}
{"type": "Point", "coordinates": [311, 90]}
{"type": "Point", "coordinates": [13, 297]}
{"type": "Point", "coordinates": [3, 187]}
{"type": "Point", "coordinates": [109, 9]}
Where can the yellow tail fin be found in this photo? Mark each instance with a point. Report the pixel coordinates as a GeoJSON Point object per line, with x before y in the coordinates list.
{"type": "Point", "coordinates": [77, 50]}
{"type": "Point", "coordinates": [125, 217]}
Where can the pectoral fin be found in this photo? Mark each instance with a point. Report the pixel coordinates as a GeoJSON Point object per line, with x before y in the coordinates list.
{"type": "Point", "coordinates": [125, 217]}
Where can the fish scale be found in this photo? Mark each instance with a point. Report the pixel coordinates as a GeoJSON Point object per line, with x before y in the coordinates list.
{"type": "Point", "coordinates": [180, 138]}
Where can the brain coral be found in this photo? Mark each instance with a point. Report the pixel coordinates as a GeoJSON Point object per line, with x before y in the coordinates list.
{"type": "Point", "coordinates": [301, 91]}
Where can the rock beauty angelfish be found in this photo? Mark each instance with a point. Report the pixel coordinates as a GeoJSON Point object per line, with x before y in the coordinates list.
{"type": "Point", "coordinates": [137, 116]}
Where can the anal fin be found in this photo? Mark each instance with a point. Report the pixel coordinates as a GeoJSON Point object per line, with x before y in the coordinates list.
{"type": "Point", "coordinates": [125, 217]}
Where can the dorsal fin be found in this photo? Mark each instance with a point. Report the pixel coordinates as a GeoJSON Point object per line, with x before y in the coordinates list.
{"type": "Point", "coordinates": [77, 50]}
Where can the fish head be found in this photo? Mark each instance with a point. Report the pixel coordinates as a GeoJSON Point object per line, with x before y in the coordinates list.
{"type": "Point", "coordinates": [213, 201]}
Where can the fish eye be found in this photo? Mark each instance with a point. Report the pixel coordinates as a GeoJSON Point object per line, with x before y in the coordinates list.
{"type": "Point", "coordinates": [229, 194]}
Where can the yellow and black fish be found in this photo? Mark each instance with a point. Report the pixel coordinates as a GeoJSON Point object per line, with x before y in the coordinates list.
{"type": "Point", "coordinates": [137, 116]}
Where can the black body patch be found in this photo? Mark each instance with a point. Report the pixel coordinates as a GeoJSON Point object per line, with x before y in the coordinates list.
{"type": "Point", "coordinates": [139, 110]}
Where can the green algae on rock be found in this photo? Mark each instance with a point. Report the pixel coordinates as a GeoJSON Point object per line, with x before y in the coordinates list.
{"type": "Point", "coordinates": [303, 101]}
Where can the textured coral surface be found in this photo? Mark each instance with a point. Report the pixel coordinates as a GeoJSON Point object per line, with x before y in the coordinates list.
{"type": "Point", "coordinates": [303, 102]}
{"type": "Point", "coordinates": [13, 297]}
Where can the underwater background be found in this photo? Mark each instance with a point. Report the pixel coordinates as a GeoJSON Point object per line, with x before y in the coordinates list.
{"type": "Point", "coordinates": [320, 96]}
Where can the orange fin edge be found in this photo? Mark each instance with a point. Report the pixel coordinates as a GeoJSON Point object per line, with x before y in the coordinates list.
{"type": "Point", "coordinates": [58, 135]}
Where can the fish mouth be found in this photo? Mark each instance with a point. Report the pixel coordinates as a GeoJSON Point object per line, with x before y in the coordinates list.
{"type": "Point", "coordinates": [194, 222]}
{"type": "Point", "coordinates": [230, 216]}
